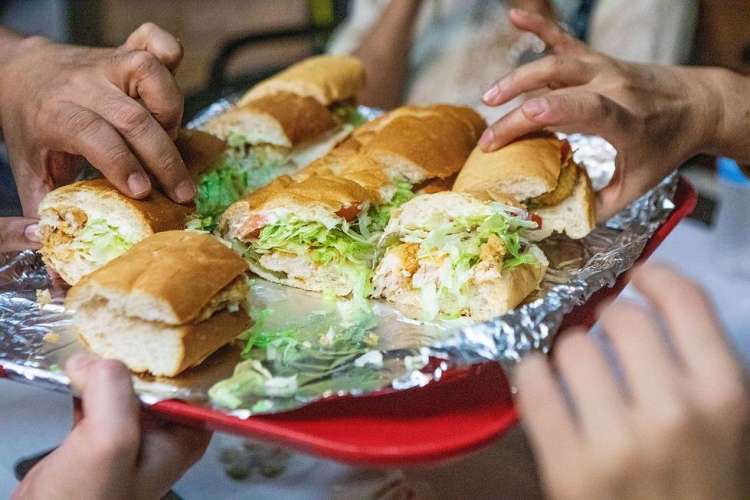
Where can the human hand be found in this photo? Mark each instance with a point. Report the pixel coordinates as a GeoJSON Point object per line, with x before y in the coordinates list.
{"type": "Point", "coordinates": [18, 233]}
{"type": "Point", "coordinates": [113, 452]}
{"type": "Point", "coordinates": [655, 116]}
{"type": "Point", "coordinates": [116, 107]}
{"type": "Point", "coordinates": [677, 427]}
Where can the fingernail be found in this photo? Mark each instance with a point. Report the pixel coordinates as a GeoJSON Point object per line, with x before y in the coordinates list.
{"type": "Point", "coordinates": [491, 94]}
{"type": "Point", "coordinates": [32, 233]}
{"type": "Point", "coordinates": [138, 184]}
{"type": "Point", "coordinates": [488, 138]}
{"type": "Point", "coordinates": [185, 191]}
{"type": "Point", "coordinates": [535, 107]}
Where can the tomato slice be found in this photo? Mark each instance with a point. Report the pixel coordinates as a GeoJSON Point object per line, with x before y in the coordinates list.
{"type": "Point", "coordinates": [349, 213]}
{"type": "Point", "coordinates": [564, 151]}
{"type": "Point", "coordinates": [536, 218]}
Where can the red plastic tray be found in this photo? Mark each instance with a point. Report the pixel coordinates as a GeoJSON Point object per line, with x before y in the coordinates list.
{"type": "Point", "coordinates": [465, 410]}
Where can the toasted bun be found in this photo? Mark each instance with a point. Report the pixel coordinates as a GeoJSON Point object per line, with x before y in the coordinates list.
{"type": "Point", "coordinates": [282, 119]}
{"type": "Point", "coordinates": [168, 278]}
{"type": "Point", "coordinates": [199, 150]}
{"type": "Point", "coordinates": [327, 79]}
{"type": "Point", "coordinates": [523, 169]}
{"type": "Point", "coordinates": [159, 349]}
{"type": "Point", "coordinates": [422, 147]}
{"type": "Point", "coordinates": [473, 120]}
{"type": "Point", "coordinates": [65, 212]}
{"type": "Point", "coordinates": [575, 216]}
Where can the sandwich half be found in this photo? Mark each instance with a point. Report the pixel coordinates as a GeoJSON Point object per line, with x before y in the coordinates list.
{"type": "Point", "coordinates": [165, 305]}
{"type": "Point", "coordinates": [538, 172]}
{"type": "Point", "coordinates": [317, 231]}
{"type": "Point", "coordinates": [294, 117]}
{"type": "Point", "coordinates": [450, 254]}
{"type": "Point", "coordinates": [86, 224]}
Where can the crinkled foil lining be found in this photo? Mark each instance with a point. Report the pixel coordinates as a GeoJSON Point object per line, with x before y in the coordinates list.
{"type": "Point", "coordinates": [35, 340]}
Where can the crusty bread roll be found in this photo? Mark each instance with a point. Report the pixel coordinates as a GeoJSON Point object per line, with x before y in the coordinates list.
{"type": "Point", "coordinates": [281, 119]}
{"type": "Point", "coordinates": [327, 79]}
{"type": "Point", "coordinates": [88, 223]}
{"type": "Point", "coordinates": [344, 190]}
{"type": "Point", "coordinates": [165, 305]}
{"type": "Point", "coordinates": [539, 172]}
{"type": "Point", "coordinates": [199, 150]}
{"type": "Point", "coordinates": [490, 289]}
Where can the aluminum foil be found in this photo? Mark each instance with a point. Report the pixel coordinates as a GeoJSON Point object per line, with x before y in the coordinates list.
{"type": "Point", "coordinates": [36, 336]}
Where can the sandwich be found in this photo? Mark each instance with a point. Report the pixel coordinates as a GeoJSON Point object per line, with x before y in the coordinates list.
{"type": "Point", "coordinates": [294, 117]}
{"type": "Point", "coordinates": [448, 254]}
{"type": "Point", "coordinates": [86, 224]}
{"type": "Point", "coordinates": [317, 231]}
{"type": "Point", "coordinates": [165, 305]}
{"type": "Point", "coordinates": [538, 173]}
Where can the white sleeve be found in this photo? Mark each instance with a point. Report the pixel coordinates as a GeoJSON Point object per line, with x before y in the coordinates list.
{"type": "Point", "coordinates": [647, 31]}
{"type": "Point", "coordinates": [363, 15]}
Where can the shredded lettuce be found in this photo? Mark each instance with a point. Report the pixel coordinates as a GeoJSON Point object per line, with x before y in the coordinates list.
{"type": "Point", "coordinates": [454, 246]}
{"type": "Point", "coordinates": [236, 175]}
{"type": "Point", "coordinates": [101, 242]}
{"type": "Point", "coordinates": [379, 215]}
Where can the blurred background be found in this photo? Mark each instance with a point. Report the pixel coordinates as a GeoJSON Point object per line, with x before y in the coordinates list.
{"type": "Point", "coordinates": [464, 45]}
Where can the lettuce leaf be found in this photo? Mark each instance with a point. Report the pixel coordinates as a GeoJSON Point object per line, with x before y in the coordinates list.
{"type": "Point", "coordinates": [379, 215]}
{"type": "Point", "coordinates": [100, 241]}
{"type": "Point", "coordinates": [349, 113]}
{"type": "Point", "coordinates": [234, 177]}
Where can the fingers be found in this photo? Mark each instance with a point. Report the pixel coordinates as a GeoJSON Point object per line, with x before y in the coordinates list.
{"type": "Point", "coordinates": [549, 72]}
{"type": "Point", "coordinates": [142, 75]}
{"type": "Point", "coordinates": [636, 338]}
{"type": "Point", "coordinates": [564, 110]}
{"type": "Point", "coordinates": [110, 407]}
{"type": "Point", "coordinates": [168, 451]}
{"type": "Point", "coordinates": [147, 139]}
{"type": "Point", "coordinates": [597, 398]}
{"type": "Point", "coordinates": [545, 413]}
{"type": "Point", "coordinates": [694, 328]}
{"type": "Point", "coordinates": [82, 131]}
{"type": "Point", "coordinates": [161, 43]}
{"type": "Point", "coordinates": [550, 32]}
{"type": "Point", "coordinates": [18, 233]}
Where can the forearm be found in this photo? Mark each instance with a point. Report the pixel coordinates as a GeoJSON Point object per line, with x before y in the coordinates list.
{"type": "Point", "coordinates": [9, 45]}
{"type": "Point", "coordinates": [731, 135]}
{"type": "Point", "coordinates": [385, 54]}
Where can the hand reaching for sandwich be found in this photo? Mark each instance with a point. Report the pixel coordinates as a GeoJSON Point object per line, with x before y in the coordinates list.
{"type": "Point", "coordinates": [678, 427]}
{"type": "Point", "coordinates": [119, 108]}
{"type": "Point", "coordinates": [656, 116]}
{"type": "Point", "coordinates": [113, 452]}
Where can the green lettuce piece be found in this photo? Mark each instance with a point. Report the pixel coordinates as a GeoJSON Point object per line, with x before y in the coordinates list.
{"type": "Point", "coordinates": [349, 114]}
{"type": "Point", "coordinates": [234, 177]}
{"type": "Point", "coordinates": [100, 241]}
{"type": "Point", "coordinates": [380, 215]}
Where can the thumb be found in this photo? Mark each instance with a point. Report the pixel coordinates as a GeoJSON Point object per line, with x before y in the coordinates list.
{"type": "Point", "coordinates": [18, 233]}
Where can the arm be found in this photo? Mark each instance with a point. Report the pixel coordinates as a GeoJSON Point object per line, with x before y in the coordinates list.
{"type": "Point", "coordinates": [385, 54]}
{"type": "Point", "coordinates": [656, 117]}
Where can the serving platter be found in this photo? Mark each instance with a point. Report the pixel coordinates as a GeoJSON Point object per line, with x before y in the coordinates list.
{"type": "Point", "coordinates": [465, 409]}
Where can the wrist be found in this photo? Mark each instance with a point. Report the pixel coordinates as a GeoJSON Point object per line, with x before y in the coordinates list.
{"type": "Point", "coordinates": [705, 110]}
{"type": "Point", "coordinates": [731, 93]}
{"type": "Point", "coordinates": [12, 46]}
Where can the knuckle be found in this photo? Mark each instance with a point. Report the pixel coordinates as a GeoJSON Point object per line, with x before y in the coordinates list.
{"type": "Point", "coordinates": [82, 122]}
{"type": "Point", "coordinates": [148, 28]}
{"type": "Point", "coordinates": [132, 119]}
{"type": "Point", "coordinates": [171, 166]}
{"type": "Point", "coordinates": [144, 63]}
